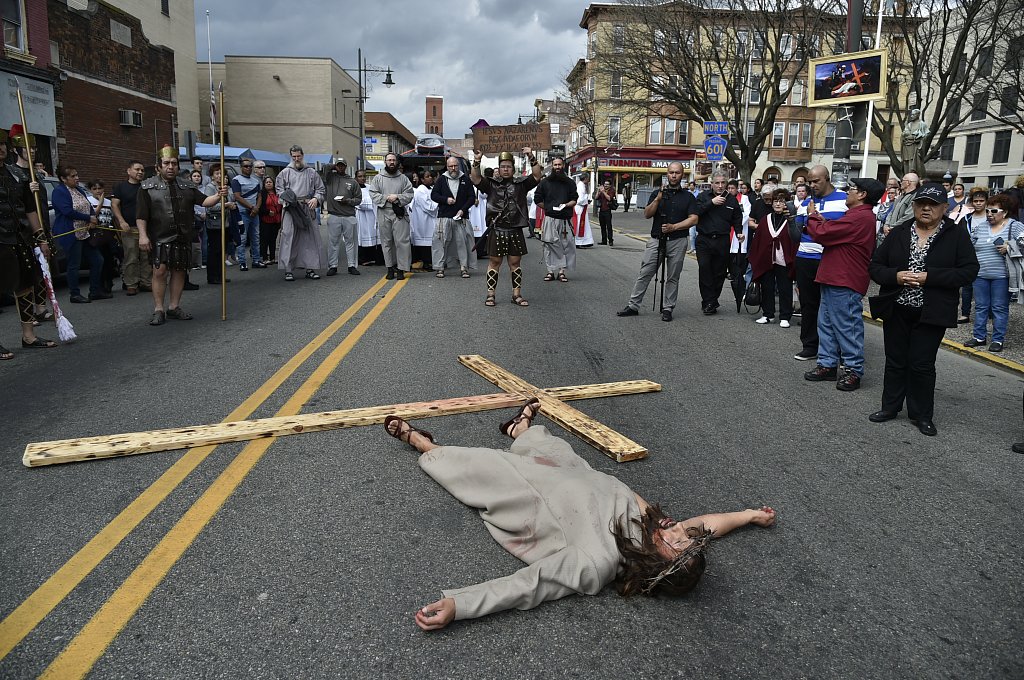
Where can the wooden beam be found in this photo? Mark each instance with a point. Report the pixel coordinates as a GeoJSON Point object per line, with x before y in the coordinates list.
{"type": "Point", "coordinates": [598, 435]}
{"type": "Point", "coordinates": [110, 446]}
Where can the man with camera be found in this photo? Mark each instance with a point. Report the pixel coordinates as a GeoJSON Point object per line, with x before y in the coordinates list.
{"type": "Point", "coordinates": [720, 215]}
{"type": "Point", "coordinates": [674, 211]}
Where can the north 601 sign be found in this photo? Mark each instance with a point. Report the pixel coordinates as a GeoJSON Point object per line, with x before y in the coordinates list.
{"type": "Point", "coordinates": [714, 147]}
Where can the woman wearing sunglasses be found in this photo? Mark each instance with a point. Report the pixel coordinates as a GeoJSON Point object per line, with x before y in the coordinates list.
{"type": "Point", "coordinates": [994, 242]}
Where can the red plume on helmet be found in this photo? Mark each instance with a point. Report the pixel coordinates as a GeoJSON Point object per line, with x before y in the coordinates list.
{"type": "Point", "coordinates": [18, 136]}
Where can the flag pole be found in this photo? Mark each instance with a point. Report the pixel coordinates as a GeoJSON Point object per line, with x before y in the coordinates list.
{"type": "Point", "coordinates": [223, 210]}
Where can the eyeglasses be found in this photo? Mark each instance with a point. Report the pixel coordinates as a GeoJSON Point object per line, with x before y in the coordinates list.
{"type": "Point", "coordinates": [993, 211]}
{"type": "Point", "coordinates": [246, 165]}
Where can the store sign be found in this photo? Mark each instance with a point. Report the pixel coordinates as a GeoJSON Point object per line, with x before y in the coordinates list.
{"type": "Point", "coordinates": [497, 138]}
{"type": "Point", "coordinates": [38, 98]}
{"type": "Point", "coordinates": [641, 163]}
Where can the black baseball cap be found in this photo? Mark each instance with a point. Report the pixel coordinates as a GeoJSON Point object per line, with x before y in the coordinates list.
{"type": "Point", "coordinates": [872, 187]}
{"type": "Point", "coordinates": [931, 192]}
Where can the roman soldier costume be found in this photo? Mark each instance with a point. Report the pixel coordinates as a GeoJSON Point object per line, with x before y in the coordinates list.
{"type": "Point", "coordinates": [167, 208]}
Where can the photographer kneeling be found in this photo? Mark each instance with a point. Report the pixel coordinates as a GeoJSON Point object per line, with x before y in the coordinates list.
{"type": "Point", "coordinates": [674, 211]}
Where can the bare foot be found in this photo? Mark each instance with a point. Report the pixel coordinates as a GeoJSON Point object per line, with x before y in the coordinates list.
{"type": "Point", "coordinates": [765, 517]}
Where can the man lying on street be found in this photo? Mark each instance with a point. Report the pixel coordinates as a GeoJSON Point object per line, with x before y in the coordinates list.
{"type": "Point", "coordinates": [530, 499]}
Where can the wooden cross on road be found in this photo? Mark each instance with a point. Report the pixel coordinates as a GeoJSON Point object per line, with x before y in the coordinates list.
{"type": "Point", "coordinates": [517, 392]}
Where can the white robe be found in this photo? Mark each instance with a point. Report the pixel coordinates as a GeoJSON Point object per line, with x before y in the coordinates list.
{"type": "Point", "coordinates": [478, 214]}
{"type": "Point", "coordinates": [366, 214]}
{"type": "Point", "coordinates": [584, 236]}
{"type": "Point", "coordinates": [422, 217]}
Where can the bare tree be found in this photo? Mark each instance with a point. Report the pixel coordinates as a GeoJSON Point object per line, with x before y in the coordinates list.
{"type": "Point", "coordinates": [739, 61]}
{"type": "Point", "coordinates": [951, 59]}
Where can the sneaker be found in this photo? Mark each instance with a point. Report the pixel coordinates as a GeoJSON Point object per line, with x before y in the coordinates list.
{"type": "Point", "coordinates": [258, 265]}
{"type": "Point", "coordinates": [821, 374]}
{"type": "Point", "coordinates": [974, 342]}
{"type": "Point", "coordinates": [353, 271]}
{"type": "Point", "coordinates": [229, 262]}
{"type": "Point", "coordinates": [242, 267]}
{"type": "Point", "coordinates": [399, 275]}
{"type": "Point", "coordinates": [805, 355]}
{"type": "Point", "coordinates": [763, 320]}
{"type": "Point", "coordinates": [849, 382]}
{"type": "Point", "coordinates": [995, 347]}
{"type": "Point", "coordinates": [391, 274]}
{"type": "Point", "coordinates": [628, 311]}
{"type": "Point", "coordinates": [333, 271]}
{"type": "Point", "coordinates": [784, 323]}
{"type": "Point", "coordinates": [666, 315]}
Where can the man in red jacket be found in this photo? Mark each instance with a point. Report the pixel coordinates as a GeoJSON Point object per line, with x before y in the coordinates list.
{"type": "Point", "coordinates": [849, 242]}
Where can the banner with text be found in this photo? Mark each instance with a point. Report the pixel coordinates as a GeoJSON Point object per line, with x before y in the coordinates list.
{"type": "Point", "coordinates": [498, 138]}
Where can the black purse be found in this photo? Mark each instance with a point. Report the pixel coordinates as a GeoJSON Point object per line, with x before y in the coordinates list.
{"type": "Point", "coordinates": [752, 298]}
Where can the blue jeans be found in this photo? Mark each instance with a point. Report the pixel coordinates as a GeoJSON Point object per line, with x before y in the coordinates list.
{"type": "Point", "coordinates": [991, 295]}
{"type": "Point", "coordinates": [95, 259]}
{"type": "Point", "coordinates": [250, 233]}
{"type": "Point", "coordinates": [841, 329]}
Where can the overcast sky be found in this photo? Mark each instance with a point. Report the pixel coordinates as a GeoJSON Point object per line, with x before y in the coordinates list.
{"type": "Point", "coordinates": [488, 58]}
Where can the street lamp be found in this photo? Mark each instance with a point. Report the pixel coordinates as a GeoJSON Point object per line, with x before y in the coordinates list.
{"type": "Point", "coordinates": [362, 69]}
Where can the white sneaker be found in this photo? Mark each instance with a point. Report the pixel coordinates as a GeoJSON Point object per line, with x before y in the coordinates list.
{"type": "Point", "coordinates": [784, 324]}
{"type": "Point", "coordinates": [763, 320]}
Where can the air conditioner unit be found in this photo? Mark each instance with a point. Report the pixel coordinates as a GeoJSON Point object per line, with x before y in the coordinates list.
{"type": "Point", "coordinates": [130, 118]}
{"type": "Point", "coordinates": [805, 145]}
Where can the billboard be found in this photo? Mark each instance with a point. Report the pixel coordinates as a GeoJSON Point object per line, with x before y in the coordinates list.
{"type": "Point", "coordinates": [847, 78]}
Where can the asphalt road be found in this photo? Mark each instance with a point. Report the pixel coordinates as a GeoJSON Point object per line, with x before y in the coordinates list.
{"type": "Point", "coordinates": [895, 554]}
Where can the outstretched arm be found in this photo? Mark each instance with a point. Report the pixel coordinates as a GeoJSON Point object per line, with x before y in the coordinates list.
{"type": "Point", "coordinates": [722, 523]}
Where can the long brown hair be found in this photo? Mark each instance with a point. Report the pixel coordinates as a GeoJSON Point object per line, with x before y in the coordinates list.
{"type": "Point", "coordinates": [646, 571]}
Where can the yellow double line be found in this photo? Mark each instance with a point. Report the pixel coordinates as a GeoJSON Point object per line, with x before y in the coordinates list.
{"type": "Point", "coordinates": [91, 642]}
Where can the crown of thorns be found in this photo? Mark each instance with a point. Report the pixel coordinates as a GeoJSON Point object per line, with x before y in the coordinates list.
{"type": "Point", "coordinates": [698, 546]}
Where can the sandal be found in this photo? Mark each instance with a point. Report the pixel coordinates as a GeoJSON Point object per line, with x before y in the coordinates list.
{"type": "Point", "coordinates": [533, 406]}
{"type": "Point", "coordinates": [159, 318]}
{"type": "Point", "coordinates": [549, 277]}
{"type": "Point", "coordinates": [289, 276]}
{"type": "Point", "coordinates": [489, 300]}
{"type": "Point", "coordinates": [562, 277]}
{"type": "Point", "coordinates": [312, 275]}
{"type": "Point", "coordinates": [464, 274]}
{"type": "Point", "coordinates": [404, 427]}
{"type": "Point", "coordinates": [38, 343]}
{"type": "Point", "coordinates": [440, 274]}
{"type": "Point", "coordinates": [179, 314]}
{"type": "Point", "coordinates": [520, 301]}
{"type": "Point", "coordinates": [5, 354]}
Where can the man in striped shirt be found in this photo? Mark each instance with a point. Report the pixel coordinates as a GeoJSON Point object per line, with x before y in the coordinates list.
{"type": "Point", "coordinates": [830, 204]}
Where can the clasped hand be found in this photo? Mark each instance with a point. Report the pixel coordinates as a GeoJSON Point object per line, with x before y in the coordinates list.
{"type": "Point", "coordinates": [911, 279]}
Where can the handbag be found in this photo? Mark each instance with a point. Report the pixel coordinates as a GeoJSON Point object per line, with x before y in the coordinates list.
{"type": "Point", "coordinates": [752, 298]}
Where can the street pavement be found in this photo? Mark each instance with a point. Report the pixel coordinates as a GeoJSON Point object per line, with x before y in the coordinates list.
{"type": "Point", "coordinates": [895, 555]}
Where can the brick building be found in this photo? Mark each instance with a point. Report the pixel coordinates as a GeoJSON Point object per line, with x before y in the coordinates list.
{"type": "Point", "coordinates": [115, 94]}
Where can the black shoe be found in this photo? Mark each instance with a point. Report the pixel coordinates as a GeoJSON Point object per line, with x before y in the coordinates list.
{"type": "Point", "coordinates": [974, 342]}
{"type": "Point", "coordinates": [333, 271]}
{"type": "Point", "coordinates": [391, 274]}
{"type": "Point", "coordinates": [926, 427]}
{"type": "Point", "coordinates": [399, 275]}
{"type": "Point", "coordinates": [145, 289]}
{"type": "Point", "coordinates": [882, 416]}
{"type": "Point", "coordinates": [666, 315]}
{"type": "Point", "coordinates": [100, 296]}
{"type": "Point", "coordinates": [191, 286]}
{"type": "Point", "coordinates": [242, 267]}
{"type": "Point", "coordinates": [216, 282]}
{"type": "Point", "coordinates": [611, 244]}
{"type": "Point", "coordinates": [353, 271]}
{"type": "Point", "coordinates": [628, 311]}
{"type": "Point", "coordinates": [805, 355]}
{"type": "Point", "coordinates": [1018, 447]}
{"type": "Point", "coordinates": [258, 265]}
{"type": "Point", "coordinates": [995, 347]}
{"type": "Point", "coordinates": [604, 243]}
{"type": "Point", "coordinates": [78, 299]}
{"type": "Point", "coordinates": [821, 374]}
{"type": "Point", "coordinates": [849, 382]}
{"type": "Point", "coordinates": [709, 310]}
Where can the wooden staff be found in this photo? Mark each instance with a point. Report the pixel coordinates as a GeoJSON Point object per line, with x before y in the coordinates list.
{"type": "Point", "coordinates": [223, 210]}
{"type": "Point", "coordinates": [28, 150]}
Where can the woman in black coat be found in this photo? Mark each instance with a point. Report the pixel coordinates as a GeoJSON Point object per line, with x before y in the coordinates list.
{"type": "Point", "coordinates": [921, 265]}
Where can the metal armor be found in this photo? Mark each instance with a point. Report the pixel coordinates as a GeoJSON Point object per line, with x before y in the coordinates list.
{"type": "Point", "coordinates": [171, 209]}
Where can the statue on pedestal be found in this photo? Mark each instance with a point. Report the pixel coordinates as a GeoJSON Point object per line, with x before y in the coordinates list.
{"type": "Point", "coordinates": [914, 133]}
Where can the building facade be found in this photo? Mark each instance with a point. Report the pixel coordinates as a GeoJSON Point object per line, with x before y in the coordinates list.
{"type": "Point", "coordinates": [433, 118]}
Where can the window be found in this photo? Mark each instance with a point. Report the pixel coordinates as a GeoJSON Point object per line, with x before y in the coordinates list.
{"type": "Point", "coordinates": [985, 62]}
{"type": "Point", "coordinates": [741, 43]}
{"type": "Point", "coordinates": [618, 37]}
{"type": "Point", "coordinates": [590, 88]}
{"type": "Point", "coordinates": [433, 113]}
{"type": "Point", "coordinates": [758, 51]}
{"type": "Point", "coordinates": [796, 97]}
{"type": "Point", "coordinates": [1008, 102]}
{"type": "Point", "coordinates": [616, 89]}
{"type": "Point", "coordinates": [778, 134]}
{"type": "Point", "coordinates": [783, 89]}
{"type": "Point", "coordinates": [165, 7]}
{"type": "Point", "coordinates": [751, 129]}
{"type": "Point", "coordinates": [613, 129]}
{"type": "Point", "coordinates": [592, 45]}
{"type": "Point", "coordinates": [830, 136]}
{"type": "Point", "coordinates": [980, 105]}
{"type": "Point", "coordinates": [1015, 54]}
{"type": "Point", "coordinates": [786, 46]}
{"type": "Point", "coordinates": [973, 150]}
{"type": "Point", "coordinates": [684, 132]}
{"type": "Point", "coordinates": [839, 43]}
{"type": "Point", "coordinates": [794, 135]}
{"type": "Point", "coordinates": [713, 83]}
{"type": "Point", "coordinates": [1001, 149]}
{"type": "Point", "coordinates": [946, 149]}
{"type": "Point", "coordinates": [995, 183]}
{"type": "Point", "coordinates": [805, 136]}
{"type": "Point", "coordinates": [755, 89]}
{"type": "Point", "coordinates": [14, 34]}
{"type": "Point", "coordinates": [654, 131]}
{"type": "Point", "coordinates": [670, 130]}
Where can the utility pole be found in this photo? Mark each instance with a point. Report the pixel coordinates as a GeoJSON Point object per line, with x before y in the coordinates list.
{"type": "Point", "coordinates": [844, 113]}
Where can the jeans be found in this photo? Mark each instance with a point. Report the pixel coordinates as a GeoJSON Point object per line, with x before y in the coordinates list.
{"type": "Point", "coordinates": [250, 236]}
{"type": "Point", "coordinates": [991, 295]}
{"type": "Point", "coordinates": [841, 329]}
{"type": "Point", "coordinates": [95, 260]}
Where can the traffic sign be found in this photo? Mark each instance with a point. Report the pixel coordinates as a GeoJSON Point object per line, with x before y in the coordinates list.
{"type": "Point", "coordinates": [714, 147]}
{"type": "Point", "coordinates": [369, 140]}
{"type": "Point", "coordinates": [716, 128]}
